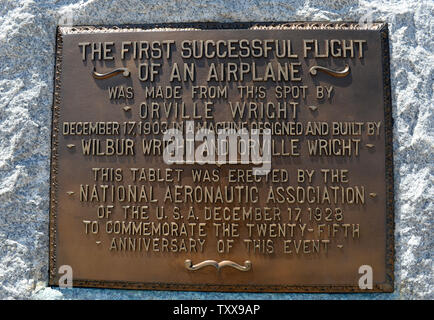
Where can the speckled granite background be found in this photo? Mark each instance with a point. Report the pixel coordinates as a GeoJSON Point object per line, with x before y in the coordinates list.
{"type": "Point", "coordinates": [27, 40]}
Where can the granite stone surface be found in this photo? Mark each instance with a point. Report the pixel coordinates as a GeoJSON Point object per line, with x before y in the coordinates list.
{"type": "Point", "coordinates": [27, 45]}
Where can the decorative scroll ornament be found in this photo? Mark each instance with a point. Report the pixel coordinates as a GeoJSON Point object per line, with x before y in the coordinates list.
{"type": "Point", "coordinates": [218, 265]}
{"type": "Point", "coordinates": [337, 74]}
{"type": "Point", "coordinates": [125, 72]}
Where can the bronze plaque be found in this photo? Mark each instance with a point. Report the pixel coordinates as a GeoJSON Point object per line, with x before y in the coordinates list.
{"type": "Point", "coordinates": [223, 157]}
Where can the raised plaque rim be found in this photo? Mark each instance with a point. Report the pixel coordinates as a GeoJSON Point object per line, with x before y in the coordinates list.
{"type": "Point", "coordinates": [382, 28]}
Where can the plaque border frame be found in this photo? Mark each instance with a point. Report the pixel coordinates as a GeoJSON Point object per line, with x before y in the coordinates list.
{"type": "Point", "coordinates": [382, 28]}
